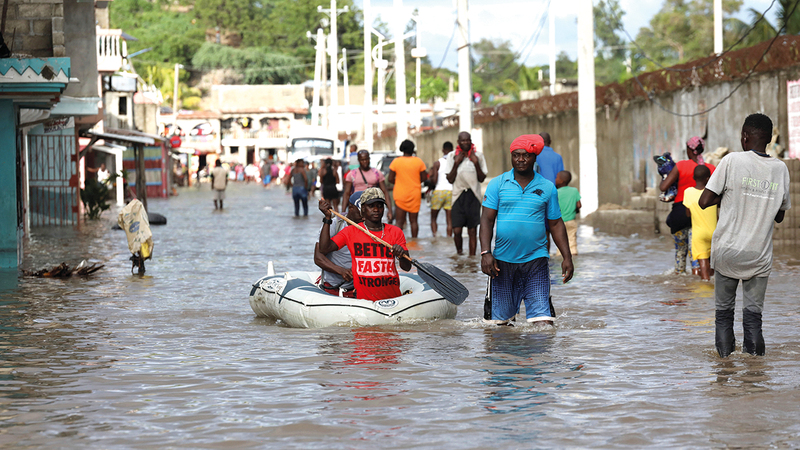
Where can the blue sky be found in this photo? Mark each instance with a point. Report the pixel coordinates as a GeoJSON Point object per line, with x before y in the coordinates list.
{"type": "Point", "coordinates": [516, 21]}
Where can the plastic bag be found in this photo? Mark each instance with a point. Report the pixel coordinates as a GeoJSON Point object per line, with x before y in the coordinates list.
{"type": "Point", "coordinates": [133, 219]}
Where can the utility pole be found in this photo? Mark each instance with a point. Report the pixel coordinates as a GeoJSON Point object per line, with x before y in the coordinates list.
{"type": "Point", "coordinates": [319, 61]}
{"type": "Point", "coordinates": [333, 51]}
{"type": "Point", "coordinates": [464, 69]}
{"type": "Point", "coordinates": [325, 91]}
{"type": "Point", "coordinates": [418, 53]}
{"type": "Point", "coordinates": [552, 32]}
{"type": "Point", "coordinates": [586, 109]}
{"type": "Point", "coordinates": [346, 92]}
{"type": "Point", "coordinates": [400, 73]}
{"type": "Point", "coordinates": [367, 113]}
{"type": "Point", "coordinates": [718, 46]}
{"type": "Point", "coordinates": [175, 100]}
{"type": "Point", "coordinates": [381, 64]}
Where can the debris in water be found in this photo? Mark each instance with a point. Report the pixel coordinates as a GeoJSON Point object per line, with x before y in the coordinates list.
{"type": "Point", "coordinates": [64, 271]}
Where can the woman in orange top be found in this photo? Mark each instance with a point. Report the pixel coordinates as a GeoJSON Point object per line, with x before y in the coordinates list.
{"type": "Point", "coordinates": [407, 173]}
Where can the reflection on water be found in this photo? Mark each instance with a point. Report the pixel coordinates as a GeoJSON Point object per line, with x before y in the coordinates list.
{"type": "Point", "coordinates": [176, 359]}
{"type": "Point", "coordinates": [515, 370]}
{"type": "Point", "coordinates": [742, 375]}
{"type": "Point", "coordinates": [371, 347]}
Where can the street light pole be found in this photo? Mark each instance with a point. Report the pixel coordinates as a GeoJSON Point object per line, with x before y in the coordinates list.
{"type": "Point", "coordinates": [333, 51]}
{"type": "Point", "coordinates": [418, 53]}
{"type": "Point", "coordinates": [464, 69]}
{"type": "Point", "coordinates": [586, 109]}
{"type": "Point", "coordinates": [175, 100]}
{"type": "Point", "coordinates": [319, 61]}
{"type": "Point", "coordinates": [346, 92]}
{"type": "Point", "coordinates": [552, 33]}
{"type": "Point", "coordinates": [718, 46]}
{"type": "Point", "coordinates": [367, 112]}
{"type": "Point", "coordinates": [400, 74]}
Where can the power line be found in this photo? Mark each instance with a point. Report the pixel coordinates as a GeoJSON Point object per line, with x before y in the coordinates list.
{"type": "Point", "coordinates": [724, 99]}
{"type": "Point", "coordinates": [533, 39]}
{"type": "Point", "coordinates": [729, 49]}
{"type": "Point", "coordinates": [446, 49]}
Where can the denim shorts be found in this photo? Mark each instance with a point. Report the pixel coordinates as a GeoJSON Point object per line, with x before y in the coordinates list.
{"type": "Point", "coordinates": [529, 281]}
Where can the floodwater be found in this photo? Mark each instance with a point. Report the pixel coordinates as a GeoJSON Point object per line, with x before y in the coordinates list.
{"type": "Point", "coordinates": [177, 359]}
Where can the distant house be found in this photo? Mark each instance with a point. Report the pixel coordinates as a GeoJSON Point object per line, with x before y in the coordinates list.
{"type": "Point", "coordinates": [255, 120]}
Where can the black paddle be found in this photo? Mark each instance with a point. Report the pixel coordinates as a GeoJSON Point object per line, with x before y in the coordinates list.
{"type": "Point", "coordinates": [447, 286]}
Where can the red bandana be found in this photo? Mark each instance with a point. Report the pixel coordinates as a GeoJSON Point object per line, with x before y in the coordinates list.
{"type": "Point", "coordinates": [531, 143]}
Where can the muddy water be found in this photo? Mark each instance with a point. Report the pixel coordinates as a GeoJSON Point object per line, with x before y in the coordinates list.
{"type": "Point", "coordinates": [176, 359]}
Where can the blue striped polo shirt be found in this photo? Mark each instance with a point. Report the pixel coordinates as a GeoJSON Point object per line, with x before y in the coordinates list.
{"type": "Point", "coordinates": [521, 235]}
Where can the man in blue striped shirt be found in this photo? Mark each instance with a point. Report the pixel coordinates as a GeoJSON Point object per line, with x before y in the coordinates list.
{"type": "Point", "coordinates": [520, 201]}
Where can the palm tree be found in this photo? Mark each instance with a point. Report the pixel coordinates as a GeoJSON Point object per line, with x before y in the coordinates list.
{"type": "Point", "coordinates": [789, 16]}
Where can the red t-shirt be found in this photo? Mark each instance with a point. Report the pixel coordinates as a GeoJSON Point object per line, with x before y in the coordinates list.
{"type": "Point", "coordinates": [686, 176]}
{"type": "Point", "coordinates": [374, 270]}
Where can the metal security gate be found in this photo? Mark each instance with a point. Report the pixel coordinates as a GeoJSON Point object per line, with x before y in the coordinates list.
{"type": "Point", "coordinates": [53, 180]}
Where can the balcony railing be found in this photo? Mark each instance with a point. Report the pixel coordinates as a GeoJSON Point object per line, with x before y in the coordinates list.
{"type": "Point", "coordinates": [255, 134]}
{"type": "Point", "coordinates": [110, 48]}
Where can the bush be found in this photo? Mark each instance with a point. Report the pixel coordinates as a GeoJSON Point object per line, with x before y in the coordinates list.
{"type": "Point", "coordinates": [94, 197]}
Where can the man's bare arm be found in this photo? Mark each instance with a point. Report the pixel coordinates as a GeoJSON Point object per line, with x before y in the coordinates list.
{"type": "Point", "coordinates": [708, 198]}
{"type": "Point", "coordinates": [327, 265]}
{"type": "Point", "coordinates": [559, 232]}
{"type": "Point", "coordinates": [488, 263]}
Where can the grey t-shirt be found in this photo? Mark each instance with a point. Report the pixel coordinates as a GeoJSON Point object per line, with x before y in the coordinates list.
{"type": "Point", "coordinates": [339, 257]}
{"type": "Point", "coordinates": [753, 189]}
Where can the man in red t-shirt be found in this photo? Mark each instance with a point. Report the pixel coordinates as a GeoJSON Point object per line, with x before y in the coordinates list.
{"type": "Point", "coordinates": [374, 270]}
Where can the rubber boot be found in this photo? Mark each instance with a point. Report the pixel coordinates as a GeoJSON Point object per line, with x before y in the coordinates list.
{"type": "Point", "coordinates": [724, 338]}
{"type": "Point", "coordinates": [753, 339]}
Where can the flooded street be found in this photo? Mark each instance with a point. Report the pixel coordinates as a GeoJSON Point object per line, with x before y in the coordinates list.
{"type": "Point", "coordinates": [177, 359]}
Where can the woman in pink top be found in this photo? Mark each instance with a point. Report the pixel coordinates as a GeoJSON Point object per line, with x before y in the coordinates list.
{"type": "Point", "coordinates": [364, 177]}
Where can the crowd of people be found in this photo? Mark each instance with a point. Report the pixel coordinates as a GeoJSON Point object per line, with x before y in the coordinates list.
{"type": "Point", "coordinates": [721, 221]}
{"type": "Point", "coordinates": [523, 203]}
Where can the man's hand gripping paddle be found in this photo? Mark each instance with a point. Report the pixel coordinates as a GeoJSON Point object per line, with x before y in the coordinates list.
{"type": "Point", "coordinates": [447, 286]}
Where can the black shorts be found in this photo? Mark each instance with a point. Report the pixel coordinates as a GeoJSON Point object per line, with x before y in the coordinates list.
{"type": "Point", "coordinates": [466, 211]}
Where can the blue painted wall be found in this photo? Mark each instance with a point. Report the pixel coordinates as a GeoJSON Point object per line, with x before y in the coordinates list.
{"type": "Point", "coordinates": [8, 186]}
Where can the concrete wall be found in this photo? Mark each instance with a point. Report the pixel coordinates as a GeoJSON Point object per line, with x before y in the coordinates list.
{"type": "Point", "coordinates": [631, 133]}
{"type": "Point", "coordinates": [81, 46]}
{"type": "Point", "coordinates": [629, 136]}
{"type": "Point", "coordinates": [39, 26]}
{"type": "Point", "coordinates": [145, 116]}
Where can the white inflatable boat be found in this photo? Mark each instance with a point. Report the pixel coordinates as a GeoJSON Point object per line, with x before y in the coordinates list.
{"type": "Point", "coordinates": [295, 300]}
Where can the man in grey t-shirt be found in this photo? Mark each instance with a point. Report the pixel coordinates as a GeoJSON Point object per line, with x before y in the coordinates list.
{"type": "Point", "coordinates": [751, 189]}
{"type": "Point", "coordinates": [337, 277]}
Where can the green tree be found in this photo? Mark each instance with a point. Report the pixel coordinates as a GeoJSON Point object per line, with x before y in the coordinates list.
{"type": "Point", "coordinates": [173, 35]}
{"type": "Point", "coordinates": [758, 30]}
{"type": "Point", "coordinates": [762, 29]}
{"type": "Point", "coordinates": [249, 18]}
{"type": "Point", "coordinates": [683, 30]}
{"type": "Point", "coordinates": [610, 60]}
{"type": "Point", "coordinates": [254, 63]}
{"type": "Point", "coordinates": [566, 68]}
{"type": "Point", "coordinates": [289, 21]}
{"type": "Point", "coordinates": [430, 89]}
{"type": "Point", "coordinates": [789, 16]}
{"type": "Point", "coordinates": [163, 79]}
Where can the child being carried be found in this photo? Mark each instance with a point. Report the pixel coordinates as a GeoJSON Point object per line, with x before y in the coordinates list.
{"type": "Point", "coordinates": [665, 165]}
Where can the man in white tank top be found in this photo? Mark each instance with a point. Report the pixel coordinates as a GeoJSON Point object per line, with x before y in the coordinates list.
{"type": "Point", "coordinates": [443, 191]}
